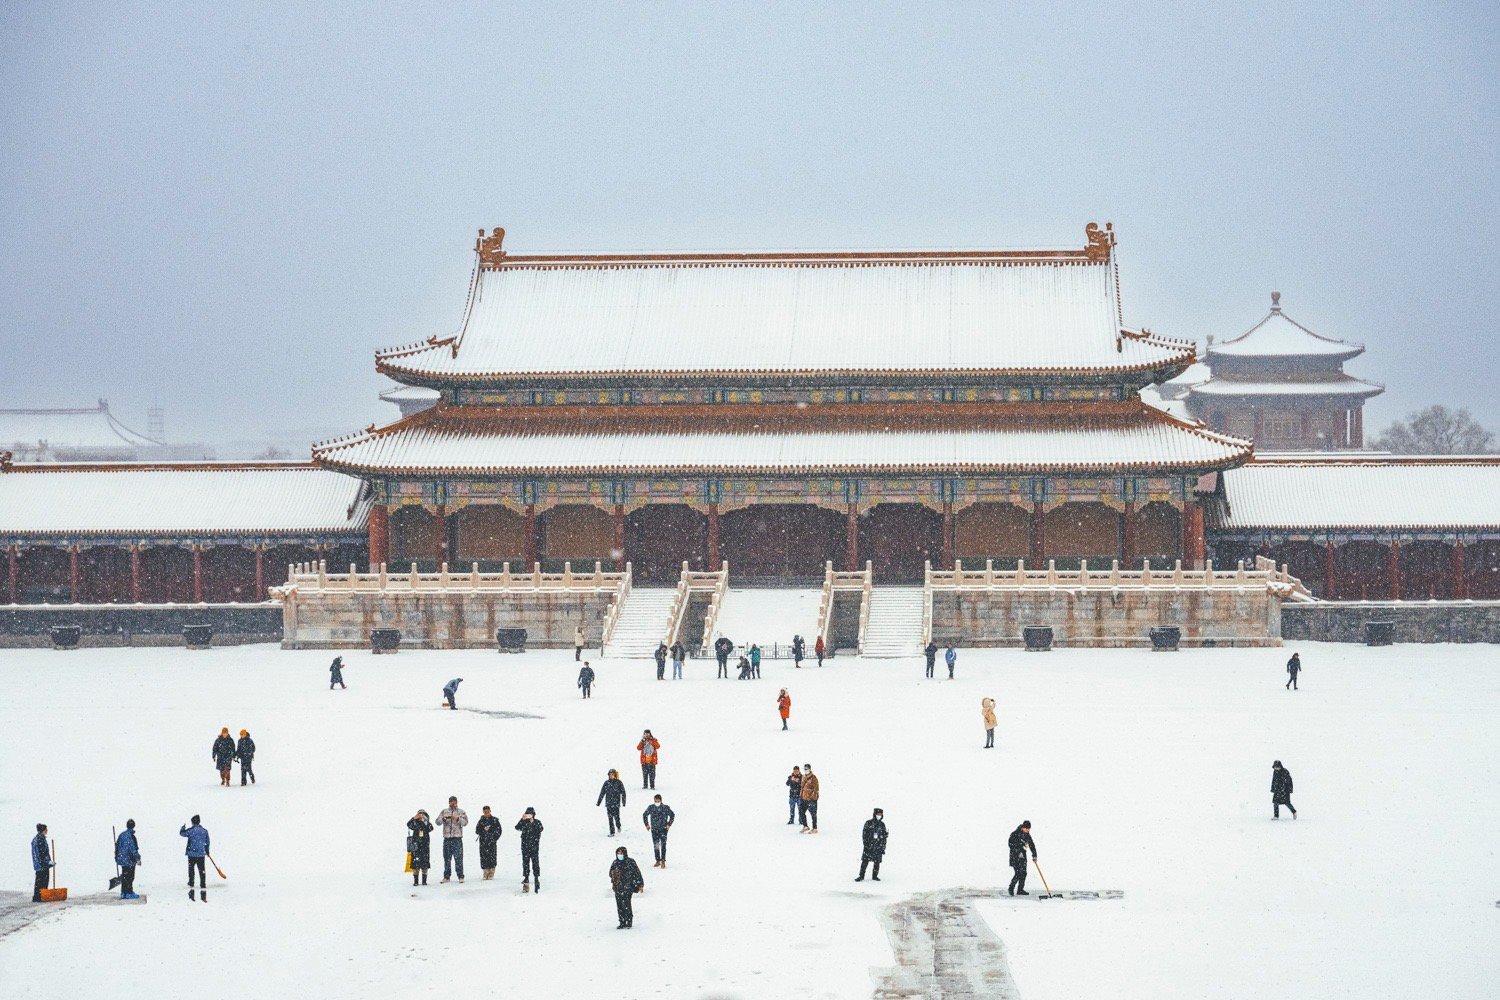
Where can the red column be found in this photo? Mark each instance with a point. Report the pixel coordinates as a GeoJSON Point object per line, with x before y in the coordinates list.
{"type": "Point", "coordinates": [1038, 534]}
{"type": "Point", "coordinates": [1393, 569]}
{"type": "Point", "coordinates": [1307, 429]}
{"type": "Point", "coordinates": [380, 535]}
{"type": "Point", "coordinates": [1359, 428]}
{"type": "Point", "coordinates": [1260, 425]}
{"type": "Point", "coordinates": [851, 540]}
{"type": "Point", "coordinates": [946, 558]}
{"type": "Point", "coordinates": [197, 575]}
{"type": "Point", "coordinates": [1127, 535]}
{"type": "Point", "coordinates": [1329, 581]}
{"type": "Point", "coordinates": [73, 574]}
{"type": "Point", "coordinates": [135, 573]}
{"type": "Point", "coordinates": [440, 529]}
{"type": "Point", "coordinates": [1460, 575]}
{"type": "Point", "coordinates": [13, 563]}
{"type": "Point", "coordinates": [530, 551]}
{"type": "Point", "coordinates": [713, 537]}
{"type": "Point", "coordinates": [1192, 535]}
{"type": "Point", "coordinates": [620, 536]}
{"type": "Point", "coordinates": [260, 572]}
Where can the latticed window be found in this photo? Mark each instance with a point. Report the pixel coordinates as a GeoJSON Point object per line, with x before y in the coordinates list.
{"type": "Point", "coordinates": [1283, 425]}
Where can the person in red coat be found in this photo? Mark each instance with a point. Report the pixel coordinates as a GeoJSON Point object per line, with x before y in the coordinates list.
{"type": "Point", "coordinates": [784, 704]}
{"type": "Point", "coordinates": [820, 650]}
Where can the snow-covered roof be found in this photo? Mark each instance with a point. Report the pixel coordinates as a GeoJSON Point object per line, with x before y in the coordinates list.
{"type": "Point", "coordinates": [200, 498]}
{"type": "Point", "coordinates": [1176, 406]}
{"type": "Point", "coordinates": [1331, 385]}
{"type": "Point", "coordinates": [1363, 492]}
{"type": "Point", "coordinates": [411, 394]}
{"type": "Point", "coordinates": [459, 440]}
{"type": "Point", "coordinates": [67, 430]}
{"type": "Point", "coordinates": [1280, 336]}
{"type": "Point", "coordinates": [590, 315]}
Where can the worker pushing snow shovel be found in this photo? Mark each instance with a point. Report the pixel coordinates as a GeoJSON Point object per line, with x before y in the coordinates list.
{"type": "Point", "coordinates": [1020, 841]}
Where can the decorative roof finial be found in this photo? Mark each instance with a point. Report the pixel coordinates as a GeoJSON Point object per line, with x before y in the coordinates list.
{"type": "Point", "coordinates": [1276, 302]}
{"type": "Point", "coordinates": [488, 247]}
{"type": "Point", "coordinates": [1099, 241]}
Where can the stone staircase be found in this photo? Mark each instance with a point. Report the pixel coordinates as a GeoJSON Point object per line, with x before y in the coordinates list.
{"type": "Point", "coordinates": [895, 625]}
{"type": "Point", "coordinates": [642, 622]}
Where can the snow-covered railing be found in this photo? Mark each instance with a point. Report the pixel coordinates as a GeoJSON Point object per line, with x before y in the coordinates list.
{"type": "Point", "coordinates": [690, 581]}
{"type": "Point", "coordinates": [715, 601]}
{"type": "Point", "coordinates": [312, 578]}
{"type": "Point", "coordinates": [836, 580]}
{"type": "Point", "coordinates": [1263, 575]}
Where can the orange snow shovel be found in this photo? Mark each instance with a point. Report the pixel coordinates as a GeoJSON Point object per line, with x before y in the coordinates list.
{"type": "Point", "coordinates": [1049, 893]}
{"type": "Point", "coordinates": [54, 894]}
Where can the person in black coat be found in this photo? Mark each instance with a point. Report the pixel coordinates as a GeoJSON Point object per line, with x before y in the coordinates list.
{"type": "Point", "coordinates": [419, 844]}
{"type": "Point", "coordinates": [244, 750]}
{"type": "Point", "coordinates": [931, 653]}
{"type": "Point", "coordinates": [612, 794]}
{"type": "Point", "coordinates": [336, 673]}
{"type": "Point", "coordinates": [874, 836]}
{"type": "Point", "coordinates": [488, 830]}
{"type": "Point", "coordinates": [531, 849]}
{"type": "Point", "coordinates": [661, 661]}
{"type": "Point", "coordinates": [722, 648]}
{"type": "Point", "coordinates": [586, 679]}
{"type": "Point", "coordinates": [1281, 790]}
{"type": "Point", "coordinates": [626, 880]}
{"type": "Point", "coordinates": [1293, 668]}
{"type": "Point", "coordinates": [1020, 840]}
{"type": "Point", "coordinates": [223, 755]}
{"type": "Point", "coordinates": [799, 651]}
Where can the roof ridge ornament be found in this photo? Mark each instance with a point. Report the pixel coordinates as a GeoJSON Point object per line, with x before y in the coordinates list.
{"type": "Point", "coordinates": [488, 247]}
{"type": "Point", "coordinates": [1276, 302]}
{"type": "Point", "coordinates": [1101, 241]}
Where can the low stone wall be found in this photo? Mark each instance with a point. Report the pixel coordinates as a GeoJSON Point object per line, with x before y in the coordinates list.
{"type": "Point", "coordinates": [28, 625]}
{"type": "Point", "coordinates": [1415, 621]}
{"type": "Point", "coordinates": [464, 620]}
{"type": "Point", "coordinates": [1107, 618]}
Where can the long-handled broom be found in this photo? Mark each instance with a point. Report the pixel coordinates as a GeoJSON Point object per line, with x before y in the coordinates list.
{"type": "Point", "coordinates": [216, 867]}
{"type": "Point", "coordinates": [114, 883]}
{"type": "Point", "coordinates": [1049, 894]}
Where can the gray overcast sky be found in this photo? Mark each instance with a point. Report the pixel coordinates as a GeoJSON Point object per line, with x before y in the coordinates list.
{"type": "Point", "coordinates": [227, 212]}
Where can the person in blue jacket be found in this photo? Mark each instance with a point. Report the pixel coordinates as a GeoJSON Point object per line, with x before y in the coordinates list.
{"type": "Point", "coordinates": [950, 657]}
{"type": "Point", "coordinates": [450, 692]}
{"type": "Point", "coordinates": [197, 850]}
{"type": "Point", "coordinates": [127, 856]}
{"type": "Point", "coordinates": [41, 861]}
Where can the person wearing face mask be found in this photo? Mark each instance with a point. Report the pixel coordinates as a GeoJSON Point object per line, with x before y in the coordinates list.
{"type": "Point", "coordinates": [625, 879]}
{"type": "Point", "coordinates": [874, 837]}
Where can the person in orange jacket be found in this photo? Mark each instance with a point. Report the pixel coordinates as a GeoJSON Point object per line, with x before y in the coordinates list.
{"type": "Point", "coordinates": [819, 649]}
{"type": "Point", "coordinates": [784, 703]}
{"type": "Point", "coordinates": [648, 746]}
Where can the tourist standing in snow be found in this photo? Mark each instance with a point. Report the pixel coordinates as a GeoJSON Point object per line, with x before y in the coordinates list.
{"type": "Point", "coordinates": [1293, 668]}
{"type": "Point", "coordinates": [223, 755]}
{"type": "Point", "coordinates": [453, 820]}
{"type": "Point", "coordinates": [799, 650]}
{"type": "Point", "coordinates": [625, 880]}
{"type": "Point", "coordinates": [488, 831]}
{"type": "Point", "coordinates": [612, 794]}
{"type": "Point", "coordinates": [930, 651]}
{"type": "Point", "coordinates": [987, 707]}
{"type": "Point", "coordinates": [197, 850]}
{"type": "Point", "coordinates": [660, 656]}
{"type": "Point", "coordinates": [244, 750]}
{"type": "Point", "coordinates": [127, 856]}
{"type": "Point", "coordinates": [648, 746]}
{"type": "Point", "coordinates": [658, 819]}
{"type": "Point", "coordinates": [578, 644]}
{"type": "Point", "coordinates": [1281, 790]}
{"type": "Point", "coordinates": [336, 674]}
{"type": "Point", "coordinates": [809, 801]}
{"type": "Point", "coordinates": [586, 679]}
{"type": "Point", "coordinates": [722, 648]}
{"type": "Point", "coordinates": [950, 657]}
{"type": "Point", "coordinates": [679, 654]}
{"type": "Point", "coordinates": [820, 649]}
{"type": "Point", "coordinates": [873, 837]}
{"type": "Point", "coordinates": [450, 692]}
{"type": "Point", "coordinates": [755, 661]}
{"type": "Point", "coordinates": [419, 845]}
{"type": "Point", "coordinates": [784, 706]}
{"type": "Point", "coordinates": [41, 861]}
{"type": "Point", "coordinates": [1020, 840]}
{"type": "Point", "coordinates": [794, 795]}
{"type": "Point", "coordinates": [531, 849]}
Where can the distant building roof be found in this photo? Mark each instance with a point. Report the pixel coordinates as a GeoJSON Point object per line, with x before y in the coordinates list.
{"type": "Point", "coordinates": [1327, 384]}
{"type": "Point", "coordinates": [68, 432]}
{"type": "Point", "coordinates": [793, 313]}
{"type": "Point", "coordinates": [1280, 336]}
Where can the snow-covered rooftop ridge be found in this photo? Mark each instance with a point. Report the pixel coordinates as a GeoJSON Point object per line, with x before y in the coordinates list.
{"type": "Point", "coordinates": [179, 498]}
{"type": "Point", "coordinates": [409, 392]}
{"type": "Point", "coordinates": [1277, 335]}
{"type": "Point", "coordinates": [1332, 384]}
{"type": "Point", "coordinates": [68, 429]}
{"type": "Point", "coordinates": [1364, 491]}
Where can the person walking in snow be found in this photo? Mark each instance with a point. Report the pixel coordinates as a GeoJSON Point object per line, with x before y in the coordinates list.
{"type": "Point", "coordinates": [41, 862]}
{"type": "Point", "coordinates": [612, 795]}
{"type": "Point", "coordinates": [809, 798]}
{"type": "Point", "coordinates": [987, 707]}
{"type": "Point", "coordinates": [127, 856]}
{"type": "Point", "coordinates": [660, 656]}
{"type": "Point", "coordinates": [722, 648]}
{"type": "Point", "coordinates": [755, 661]}
{"type": "Point", "coordinates": [648, 746]}
{"type": "Point", "coordinates": [487, 831]}
{"type": "Point", "coordinates": [1020, 841]}
{"type": "Point", "coordinates": [658, 819]}
{"type": "Point", "coordinates": [197, 851]}
{"type": "Point", "coordinates": [794, 795]}
{"type": "Point", "coordinates": [244, 751]}
{"type": "Point", "coordinates": [1281, 790]}
{"type": "Point", "coordinates": [530, 829]}
{"type": "Point", "coordinates": [950, 657]}
{"type": "Point", "coordinates": [1293, 668]}
{"type": "Point", "coordinates": [577, 645]}
{"type": "Point", "coordinates": [820, 648]}
{"type": "Point", "coordinates": [586, 679]}
{"type": "Point", "coordinates": [223, 755]}
{"type": "Point", "coordinates": [930, 651]}
{"type": "Point", "coordinates": [453, 820]}
{"type": "Point", "coordinates": [419, 845]}
{"type": "Point", "coordinates": [784, 706]}
{"type": "Point", "coordinates": [799, 650]}
{"type": "Point", "coordinates": [336, 674]}
{"type": "Point", "coordinates": [450, 692]}
{"type": "Point", "coordinates": [679, 654]}
{"type": "Point", "coordinates": [625, 880]}
{"type": "Point", "coordinates": [873, 837]}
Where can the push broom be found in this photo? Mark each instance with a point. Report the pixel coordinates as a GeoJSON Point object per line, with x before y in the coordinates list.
{"type": "Point", "coordinates": [1049, 894]}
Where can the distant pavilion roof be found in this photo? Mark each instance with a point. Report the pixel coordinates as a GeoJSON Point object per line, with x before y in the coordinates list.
{"type": "Point", "coordinates": [67, 430]}
{"type": "Point", "coordinates": [1110, 437]}
{"type": "Point", "coordinates": [1280, 336]}
{"type": "Point", "coordinates": [1326, 384]}
{"type": "Point", "coordinates": [594, 316]}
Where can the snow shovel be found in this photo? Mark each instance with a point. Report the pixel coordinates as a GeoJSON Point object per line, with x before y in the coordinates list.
{"type": "Point", "coordinates": [53, 894]}
{"type": "Point", "coordinates": [216, 867]}
{"type": "Point", "coordinates": [1049, 894]}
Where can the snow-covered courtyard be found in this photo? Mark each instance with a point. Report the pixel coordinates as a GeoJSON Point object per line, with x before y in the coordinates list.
{"type": "Point", "coordinates": [1144, 773]}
